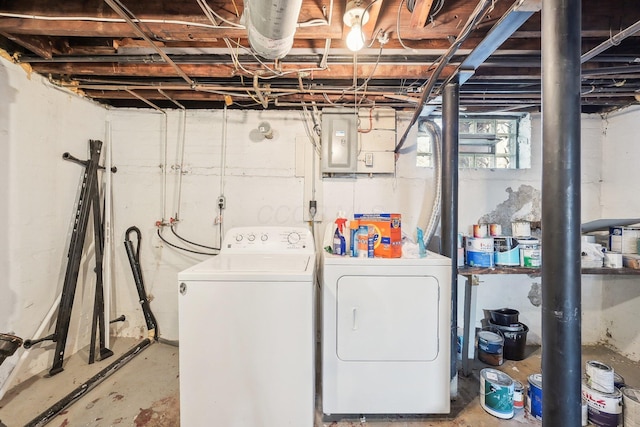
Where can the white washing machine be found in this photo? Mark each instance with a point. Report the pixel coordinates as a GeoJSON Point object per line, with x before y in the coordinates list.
{"type": "Point", "coordinates": [247, 332]}
{"type": "Point", "coordinates": [386, 335]}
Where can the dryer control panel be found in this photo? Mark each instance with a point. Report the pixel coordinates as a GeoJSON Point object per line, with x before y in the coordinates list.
{"type": "Point", "coordinates": [268, 239]}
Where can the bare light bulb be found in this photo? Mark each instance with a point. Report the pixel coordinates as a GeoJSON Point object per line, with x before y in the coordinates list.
{"type": "Point", "coordinates": [355, 38]}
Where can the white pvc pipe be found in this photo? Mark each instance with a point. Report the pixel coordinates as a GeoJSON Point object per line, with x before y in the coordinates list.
{"type": "Point", "coordinates": [25, 353]}
{"type": "Point", "coordinates": [164, 166]}
{"type": "Point", "coordinates": [223, 165]}
{"type": "Point", "coordinates": [223, 154]}
{"type": "Point", "coordinates": [612, 41]}
{"type": "Point", "coordinates": [182, 142]}
{"type": "Point", "coordinates": [108, 241]}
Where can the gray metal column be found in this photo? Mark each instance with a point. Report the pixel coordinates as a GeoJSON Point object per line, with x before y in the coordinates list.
{"type": "Point", "coordinates": [449, 217]}
{"type": "Point", "coordinates": [561, 308]}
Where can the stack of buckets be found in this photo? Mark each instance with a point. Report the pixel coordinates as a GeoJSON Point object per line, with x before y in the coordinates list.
{"type": "Point", "coordinates": [609, 402]}
{"type": "Point", "coordinates": [606, 401]}
{"type": "Point", "coordinates": [504, 338]}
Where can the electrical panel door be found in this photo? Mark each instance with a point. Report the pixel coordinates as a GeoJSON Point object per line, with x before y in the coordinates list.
{"type": "Point", "coordinates": [339, 140]}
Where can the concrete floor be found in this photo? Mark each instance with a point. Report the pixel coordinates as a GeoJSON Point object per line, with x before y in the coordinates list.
{"type": "Point", "coordinates": [145, 392]}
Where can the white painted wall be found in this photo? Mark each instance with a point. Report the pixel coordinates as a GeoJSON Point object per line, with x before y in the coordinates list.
{"type": "Point", "coordinates": [259, 183]}
{"type": "Point", "coordinates": [261, 187]}
{"type": "Point", "coordinates": [259, 179]}
{"type": "Point", "coordinates": [482, 191]}
{"type": "Point", "coordinates": [621, 296]}
{"type": "Point", "coordinates": [37, 124]}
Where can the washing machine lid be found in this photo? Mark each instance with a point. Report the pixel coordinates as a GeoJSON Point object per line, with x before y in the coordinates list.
{"type": "Point", "coordinates": [253, 267]}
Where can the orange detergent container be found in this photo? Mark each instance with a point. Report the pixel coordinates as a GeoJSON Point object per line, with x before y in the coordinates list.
{"type": "Point", "coordinates": [387, 233]}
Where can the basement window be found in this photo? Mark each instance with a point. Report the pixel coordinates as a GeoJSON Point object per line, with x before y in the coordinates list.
{"type": "Point", "coordinates": [485, 142]}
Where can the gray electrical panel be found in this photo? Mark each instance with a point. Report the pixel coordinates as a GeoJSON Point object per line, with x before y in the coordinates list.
{"type": "Point", "coordinates": [339, 140]}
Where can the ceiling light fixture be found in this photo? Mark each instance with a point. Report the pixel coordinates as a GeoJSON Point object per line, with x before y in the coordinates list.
{"type": "Point", "coordinates": [355, 17]}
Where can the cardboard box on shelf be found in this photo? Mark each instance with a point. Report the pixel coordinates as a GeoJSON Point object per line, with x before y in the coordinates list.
{"type": "Point", "coordinates": [624, 239]}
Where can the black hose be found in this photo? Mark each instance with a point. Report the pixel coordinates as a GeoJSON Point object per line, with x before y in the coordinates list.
{"type": "Point", "coordinates": [181, 248]}
{"type": "Point", "coordinates": [134, 261]}
{"type": "Point", "coordinates": [189, 241]}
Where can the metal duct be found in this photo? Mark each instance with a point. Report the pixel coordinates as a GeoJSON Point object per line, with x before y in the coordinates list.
{"type": "Point", "coordinates": [271, 25]}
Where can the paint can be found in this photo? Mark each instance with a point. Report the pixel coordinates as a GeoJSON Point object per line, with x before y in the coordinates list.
{"type": "Point", "coordinates": [599, 376]}
{"type": "Point", "coordinates": [507, 251]}
{"type": "Point", "coordinates": [521, 228]}
{"type": "Point", "coordinates": [518, 395]}
{"type": "Point", "coordinates": [480, 251]}
{"type": "Point", "coordinates": [480, 230]}
{"type": "Point", "coordinates": [530, 254]}
{"type": "Point", "coordinates": [495, 230]}
{"type": "Point", "coordinates": [585, 413]}
{"type": "Point", "coordinates": [496, 393]}
{"type": "Point", "coordinates": [534, 396]}
{"type": "Point", "coordinates": [491, 347]}
{"type": "Point", "coordinates": [605, 409]}
{"type": "Point", "coordinates": [631, 406]}
{"type": "Point", "coordinates": [618, 380]}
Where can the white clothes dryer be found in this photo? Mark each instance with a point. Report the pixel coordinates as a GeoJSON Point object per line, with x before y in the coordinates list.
{"type": "Point", "coordinates": [247, 332]}
{"type": "Point", "coordinates": [386, 335]}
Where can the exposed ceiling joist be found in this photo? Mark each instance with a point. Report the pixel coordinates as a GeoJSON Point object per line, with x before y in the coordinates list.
{"type": "Point", "coordinates": [420, 13]}
{"type": "Point", "coordinates": [81, 43]}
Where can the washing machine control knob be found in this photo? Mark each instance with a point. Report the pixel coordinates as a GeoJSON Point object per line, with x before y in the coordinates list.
{"type": "Point", "coordinates": [264, 237]}
{"type": "Point", "coordinates": [251, 237]}
{"type": "Point", "coordinates": [239, 238]}
{"type": "Point", "coordinates": [293, 238]}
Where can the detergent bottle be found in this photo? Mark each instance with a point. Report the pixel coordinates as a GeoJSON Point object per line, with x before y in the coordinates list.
{"type": "Point", "coordinates": [353, 237]}
{"type": "Point", "coordinates": [339, 242]}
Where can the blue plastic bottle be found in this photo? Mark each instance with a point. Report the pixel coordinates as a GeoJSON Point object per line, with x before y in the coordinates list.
{"type": "Point", "coordinates": [339, 242]}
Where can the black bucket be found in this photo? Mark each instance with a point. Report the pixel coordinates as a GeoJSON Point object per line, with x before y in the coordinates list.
{"type": "Point", "coordinates": [515, 343]}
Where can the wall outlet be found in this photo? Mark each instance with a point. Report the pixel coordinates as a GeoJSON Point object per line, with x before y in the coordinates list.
{"type": "Point", "coordinates": [368, 159]}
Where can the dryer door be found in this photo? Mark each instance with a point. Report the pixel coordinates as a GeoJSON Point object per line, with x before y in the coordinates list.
{"type": "Point", "coordinates": [387, 318]}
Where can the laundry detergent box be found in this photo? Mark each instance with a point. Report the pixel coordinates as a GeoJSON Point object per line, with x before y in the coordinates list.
{"type": "Point", "coordinates": [387, 233]}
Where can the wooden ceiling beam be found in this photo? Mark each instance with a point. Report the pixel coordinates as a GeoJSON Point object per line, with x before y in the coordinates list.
{"type": "Point", "coordinates": [192, 95]}
{"type": "Point", "coordinates": [111, 29]}
{"type": "Point", "coordinates": [41, 46]}
{"type": "Point", "coordinates": [341, 71]}
{"type": "Point", "coordinates": [420, 13]}
{"type": "Point", "coordinates": [370, 27]}
{"type": "Point", "coordinates": [167, 31]}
